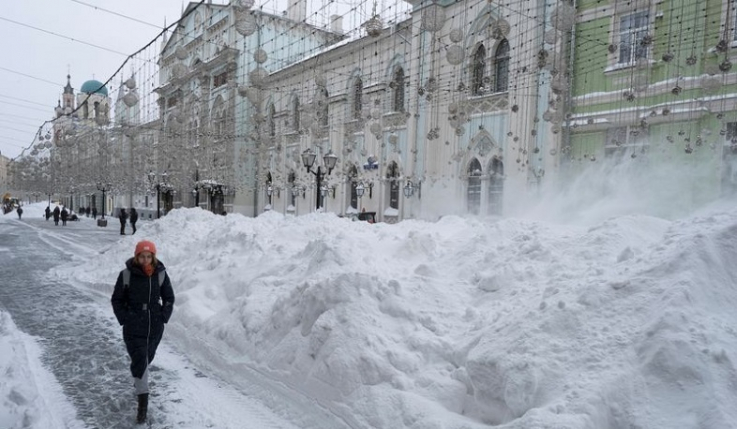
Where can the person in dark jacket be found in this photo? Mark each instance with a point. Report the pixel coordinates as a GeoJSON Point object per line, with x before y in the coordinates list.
{"type": "Point", "coordinates": [64, 216]}
{"type": "Point", "coordinates": [142, 307]}
{"type": "Point", "coordinates": [123, 216]}
{"type": "Point", "coordinates": [57, 213]}
{"type": "Point", "coordinates": [94, 212]}
{"type": "Point", "coordinates": [48, 212]}
{"type": "Point", "coordinates": [134, 219]}
{"type": "Point", "coordinates": [20, 212]}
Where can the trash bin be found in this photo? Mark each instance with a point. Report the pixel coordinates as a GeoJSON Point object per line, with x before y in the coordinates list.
{"type": "Point", "coordinates": [101, 222]}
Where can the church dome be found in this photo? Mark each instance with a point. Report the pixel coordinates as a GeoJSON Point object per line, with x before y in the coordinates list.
{"type": "Point", "coordinates": [94, 86]}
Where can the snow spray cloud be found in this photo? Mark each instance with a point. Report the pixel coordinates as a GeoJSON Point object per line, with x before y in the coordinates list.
{"type": "Point", "coordinates": [589, 191]}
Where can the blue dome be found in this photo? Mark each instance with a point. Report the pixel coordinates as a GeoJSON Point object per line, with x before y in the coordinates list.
{"type": "Point", "coordinates": [94, 86]}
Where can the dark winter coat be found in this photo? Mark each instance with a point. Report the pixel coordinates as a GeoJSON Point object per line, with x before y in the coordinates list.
{"type": "Point", "coordinates": [64, 214]}
{"type": "Point", "coordinates": [56, 214]}
{"type": "Point", "coordinates": [142, 308]}
{"type": "Point", "coordinates": [123, 216]}
{"type": "Point", "coordinates": [134, 216]}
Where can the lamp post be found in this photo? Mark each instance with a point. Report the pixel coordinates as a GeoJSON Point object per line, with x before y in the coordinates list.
{"type": "Point", "coordinates": [104, 187]}
{"type": "Point", "coordinates": [152, 178]}
{"type": "Point", "coordinates": [308, 159]}
{"type": "Point", "coordinates": [196, 195]}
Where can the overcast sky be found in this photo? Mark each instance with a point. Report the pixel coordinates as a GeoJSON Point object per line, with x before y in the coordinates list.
{"type": "Point", "coordinates": [43, 40]}
{"type": "Point", "coordinates": [35, 63]}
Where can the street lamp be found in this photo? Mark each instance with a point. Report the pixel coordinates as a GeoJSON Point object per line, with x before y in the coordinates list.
{"type": "Point", "coordinates": [157, 184]}
{"type": "Point", "coordinates": [104, 187]}
{"type": "Point", "coordinates": [308, 159]}
{"type": "Point", "coordinates": [409, 189]}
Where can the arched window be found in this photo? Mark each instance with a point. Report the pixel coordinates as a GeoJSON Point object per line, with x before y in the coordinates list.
{"type": "Point", "coordinates": [398, 86]}
{"type": "Point", "coordinates": [292, 178]}
{"type": "Point", "coordinates": [324, 96]}
{"type": "Point", "coordinates": [272, 121]}
{"type": "Point", "coordinates": [392, 173]}
{"type": "Point", "coordinates": [501, 66]}
{"type": "Point", "coordinates": [478, 68]}
{"type": "Point", "coordinates": [474, 186]}
{"type": "Point", "coordinates": [357, 98]}
{"type": "Point", "coordinates": [353, 177]}
{"type": "Point", "coordinates": [97, 109]}
{"type": "Point", "coordinates": [496, 186]}
{"type": "Point", "coordinates": [295, 114]}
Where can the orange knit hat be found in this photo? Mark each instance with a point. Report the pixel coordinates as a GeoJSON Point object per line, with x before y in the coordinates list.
{"type": "Point", "coordinates": [145, 246]}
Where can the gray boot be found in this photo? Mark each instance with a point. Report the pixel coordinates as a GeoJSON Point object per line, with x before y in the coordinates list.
{"type": "Point", "coordinates": [142, 408]}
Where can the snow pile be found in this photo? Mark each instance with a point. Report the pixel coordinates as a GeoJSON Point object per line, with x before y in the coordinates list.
{"type": "Point", "coordinates": [30, 397]}
{"type": "Point", "coordinates": [463, 323]}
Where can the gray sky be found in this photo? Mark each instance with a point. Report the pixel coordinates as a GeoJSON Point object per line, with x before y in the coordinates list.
{"type": "Point", "coordinates": [35, 63]}
{"type": "Point", "coordinates": [37, 49]}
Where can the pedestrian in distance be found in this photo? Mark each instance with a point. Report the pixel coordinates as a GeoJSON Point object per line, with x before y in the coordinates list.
{"type": "Point", "coordinates": [57, 213]}
{"type": "Point", "coordinates": [143, 301]}
{"type": "Point", "coordinates": [133, 219]}
{"type": "Point", "coordinates": [48, 213]}
{"type": "Point", "coordinates": [94, 212]}
{"type": "Point", "coordinates": [64, 216]}
{"type": "Point", "coordinates": [19, 210]}
{"type": "Point", "coordinates": [123, 216]}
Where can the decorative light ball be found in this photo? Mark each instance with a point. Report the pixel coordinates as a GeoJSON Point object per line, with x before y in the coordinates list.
{"type": "Point", "coordinates": [373, 26]}
{"type": "Point", "coordinates": [243, 90]}
{"type": "Point", "coordinates": [253, 94]}
{"type": "Point", "coordinates": [181, 52]}
{"type": "Point", "coordinates": [460, 130]}
{"type": "Point", "coordinates": [245, 24]}
{"type": "Point", "coordinates": [668, 57]}
{"type": "Point", "coordinates": [130, 99]}
{"type": "Point", "coordinates": [375, 128]}
{"type": "Point", "coordinates": [691, 60]}
{"type": "Point", "coordinates": [375, 113]}
{"type": "Point", "coordinates": [563, 17]}
{"type": "Point", "coordinates": [676, 90]}
{"type": "Point", "coordinates": [553, 152]}
{"type": "Point", "coordinates": [393, 138]}
{"type": "Point", "coordinates": [258, 76]}
{"type": "Point", "coordinates": [433, 18]}
{"type": "Point", "coordinates": [260, 56]}
{"type": "Point", "coordinates": [550, 37]}
{"type": "Point", "coordinates": [725, 66]}
{"type": "Point", "coordinates": [130, 83]}
{"type": "Point", "coordinates": [455, 35]}
{"type": "Point", "coordinates": [47, 145]}
{"type": "Point", "coordinates": [454, 54]}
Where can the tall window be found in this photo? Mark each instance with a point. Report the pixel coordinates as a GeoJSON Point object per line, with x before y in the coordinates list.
{"type": "Point", "coordinates": [272, 121]}
{"type": "Point", "coordinates": [392, 174]}
{"type": "Point", "coordinates": [357, 98]}
{"type": "Point", "coordinates": [501, 67]}
{"type": "Point", "coordinates": [478, 68]}
{"type": "Point", "coordinates": [632, 30]}
{"type": "Point", "coordinates": [398, 100]}
{"type": "Point", "coordinates": [324, 107]}
{"type": "Point", "coordinates": [496, 186]}
{"type": "Point", "coordinates": [292, 178]}
{"type": "Point", "coordinates": [353, 177]}
{"type": "Point", "coordinates": [474, 187]}
{"type": "Point", "coordinates": [295, 114]}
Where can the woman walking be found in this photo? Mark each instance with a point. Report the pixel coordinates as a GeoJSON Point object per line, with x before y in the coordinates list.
{"type": "Point", "coordinates": [143, 301]}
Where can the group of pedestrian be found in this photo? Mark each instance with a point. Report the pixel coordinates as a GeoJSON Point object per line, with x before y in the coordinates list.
{"type": "Point", "coordinates": [87, 211]}
{"type": "Point", "coordinates": [58, 214]}
{"type": "Point", "coordinates": [123, 217]}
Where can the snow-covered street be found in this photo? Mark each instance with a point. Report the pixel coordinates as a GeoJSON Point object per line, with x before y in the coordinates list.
{"type": "Point", "coordinates": [71, 369]}
{"type": "Point", "coordinates": [618, 321]}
